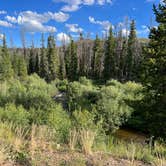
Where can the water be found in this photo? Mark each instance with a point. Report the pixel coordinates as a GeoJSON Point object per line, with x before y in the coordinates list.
{"type": "Point", "coordinates": [130, 135]}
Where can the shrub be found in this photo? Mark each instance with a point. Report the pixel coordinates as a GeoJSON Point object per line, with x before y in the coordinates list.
{"type": "Point", "coordinates": [114, 104]}
{"type": "Point", "coordinates": [32, 92]}
{"type": "Point", "coordinates": [17, 115]}
{"type": "Point", "coordinates": [81, 95]}
{"type": "Point", "coordinates": [60, 121]}
{"type": "Point", "coordinates": [61, 85]}
{"type": "Point", "coordinates": [87, 129]}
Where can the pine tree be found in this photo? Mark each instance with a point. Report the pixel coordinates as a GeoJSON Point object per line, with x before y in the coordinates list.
{"type": "Point", "coordinates": [15, 58]}
{"type": "Point", "coordinates": [43, 61]}
{"type": "Point", "coordinates": [131, 51]}
{"type": "Point", "coordinates": [32, 60]}
{"type": "Point", "coordinates": [97, 63]}
{"type": "Point", "coordinates": [109, 59]}
{"type": "Point", "coordinates": [123, 61]}
{"type": "Point", "coordinates": [22, 67]}
{"type": "Point", "coordinates": [154, 74]}
{"type": "Point", "coordinates": [53, 59]}
{"type": "Point", "coordinates": [67, 60]}
{"type": "Point", "coordinates": [62, 70]}
{"type": "Point", "coordinates": [73, 64]}
{"type": "Point", "coordinates": [37, 64]}
{"type": "Point", "coordinates": [6, 70]}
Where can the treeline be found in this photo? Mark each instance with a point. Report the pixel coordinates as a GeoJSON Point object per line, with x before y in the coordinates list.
{"type": "Point", "coordinates": [116, 56]}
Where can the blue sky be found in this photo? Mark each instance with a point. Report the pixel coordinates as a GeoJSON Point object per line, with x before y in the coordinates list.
{"type": "Point", "coordinates": [64, 17]}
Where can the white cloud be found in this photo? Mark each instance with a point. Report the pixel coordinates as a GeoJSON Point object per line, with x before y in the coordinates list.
{"type": "Point", "coordinates": [102, 2]}
{"type": "Point", "coordinates": [35, 22]}
{"type": "Point", "coordinates": [74, 28]}
{"type": "Point", "coordinates": [1, 36]}
{"type": "Point", "coordinates": [60, 17]}
{"type": "Point", "coordinates": [63, 37]}
{"type": "Point", "coordinates": [162, 2]}
{"type": "Point", "coordinates": [125, 32]}
{"type": "Point", "coordinates": [5, 24]}
{"type": "Point", "coordinates": [73, 5]}
{"type": "Point", "coordinates": [105, 24]}
{"type": "Point", "coordinates": [3, 12]}
{"type": "Point", "coordinates": [34, 26]}
{"type": "Point", "coordinates": [70, 8]}
{"type": "Point", "coordinates": [11, 19]}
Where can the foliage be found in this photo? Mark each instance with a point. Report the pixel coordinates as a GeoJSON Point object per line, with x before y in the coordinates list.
{"type": "Point", "coordinates": [82, 94]}
{"type": "Point", "coordinates": [32, 92]}
{"type": "Point", "coordinates": [17, 115]}
{"type": "Point", "coordinates": [109, 59]}
{"type": "Point", "coordinates": [97, 59]}
{"type": "Point", "coordinates": [6, 70]}
{"type": "Point", "coordinates": [153, 76]}
{"type": "Point", "coordinates": [114, 104]}
{"type": "Point", "coordinates": [59, 120]}
{"type": "Point", "coordinates": [53, 62]}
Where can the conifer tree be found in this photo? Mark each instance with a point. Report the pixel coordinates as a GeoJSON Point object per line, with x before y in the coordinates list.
{"type": "Point", "coordinates": [32, 60]}
{"type": "Point", "coordinates": [62, 70]}
{"type": "Point", "coordinates": [131, 51]}
{"type": "Point", "coordinates": [53, 59]}
{"type": "Point", "coordinates": [67, 60]}
{"type": "Point", "coordinates": [15, 64]}
{"type": "Point", "coordinates": [43, 61]}
{"type": "Point", "coordinates": [22, 67]}
{"type": "Point", "coordinates": [154, 74]}
{"type": "Point", "coordinates": [37, 64]}
{"type": "Point", "coordinates": [6, 70]}
{"type": "Point", "coordinates": [109, 59]}
{"type": "Point", "coordinates": [97, 58]}
{"type": "Point", "coordinates": [73, 64]}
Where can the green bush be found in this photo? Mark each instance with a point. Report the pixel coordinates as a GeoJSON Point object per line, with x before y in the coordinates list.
{"type": "Point", "coordinates": [32, 92]}
{"type": "Point", "coordinates": [17, 115]}
{"type": "Point", "coordinates": [82, 95]}
{"type": "Point", "coordinates": [114, 104]}
{"type": "Point", "coordinates": [60, 121]}
{"type": "Point", "coordinates": [61, 85]}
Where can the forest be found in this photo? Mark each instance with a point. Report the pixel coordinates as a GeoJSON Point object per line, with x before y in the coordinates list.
{"type": "Point", "coordinates": [73, 98]}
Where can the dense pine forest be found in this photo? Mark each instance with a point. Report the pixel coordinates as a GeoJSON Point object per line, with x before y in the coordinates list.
{"type": "Point", "coordinates": [74, 98]}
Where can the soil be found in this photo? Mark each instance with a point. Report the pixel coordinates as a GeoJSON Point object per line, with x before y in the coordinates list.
{"type": "Point", "coordinates": [65, 158]}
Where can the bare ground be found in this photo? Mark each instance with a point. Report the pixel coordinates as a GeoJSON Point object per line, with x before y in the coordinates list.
{"type": "Point", "coordinates": [76, 159]}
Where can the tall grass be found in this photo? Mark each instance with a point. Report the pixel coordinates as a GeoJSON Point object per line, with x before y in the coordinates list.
{"type": "Point", "coordinates": [22, 144]}
{"type": "Point", "coordinates": [87, 140]}
{"type": "Point", "coordinates": [73, 138]}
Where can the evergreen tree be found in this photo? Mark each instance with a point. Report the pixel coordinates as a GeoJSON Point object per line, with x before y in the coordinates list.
{"type": "Point", "coordinates": [131, 51]}
{"type": "Point", "coordinates": [22, 67]}
{"type": "Point", "coordinates": [62, 70]}
{"type": "Point", "coordinates": [6, 70]}
{"type": "Point", "coordinates": [123, 61]}
{"type": "Point", "coordinates": [73, 64]}
{"type": "Point", "coordinates": [19, 66]}
{"type": "Point", "coordinates": [37, 64]}
{"type": "Point", "coordinates": [53, 59]}
{"type": "Point", "coordinates": [154, 74]}
{"type": "Point", "coordinates": [109, 59]}
{"type": "Point", "coordinates": [15, 59]}
{"type": "Point", "coordinates": [97, 63]}
{"type": "Point", "coordinates": [43, 61]}
{"type": "Point", "coordinates": [67, 60]}
{"type": "Point", "coordinates": [32, 60]}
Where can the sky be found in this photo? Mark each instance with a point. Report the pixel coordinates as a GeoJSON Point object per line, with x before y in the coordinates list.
{"type": "Point", "coordinates": [28, 19]}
